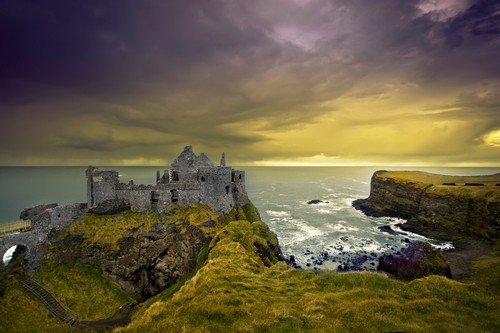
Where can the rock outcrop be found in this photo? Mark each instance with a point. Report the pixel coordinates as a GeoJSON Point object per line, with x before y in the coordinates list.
{"type": "Point", "coordinates": [419, 259]}
{"type": "Point", "coordinates": [30, 213]}
{"type": "Point", "coordinates": [316, 202]}
{"type": "Point", "coordinates": [147, 262]}
{"type": "Point", "coordinates": [143, 264]}
{"type": "Point", "coordinates": [112, 206]}
{"type": "Point", "coordinates": [422, 199]}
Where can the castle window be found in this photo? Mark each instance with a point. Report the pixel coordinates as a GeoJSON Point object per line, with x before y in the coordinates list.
{"type": "Point", "coordinates": [155, 197]}
{"type": "Point", "coordinates": [175, 195]}
{"type": "Point", "coordinates": [175, 176]}
{"type": "Point", "coordinates": [227, 189]}
{"type": "Point", "coordinates": [202, 179]}
{"type": "Point", "coordinates": [239, 176]}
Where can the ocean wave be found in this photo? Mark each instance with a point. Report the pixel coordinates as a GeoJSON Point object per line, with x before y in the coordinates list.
{"type": "Point", "coordinates": [444, 246]}
{"type": "Point", "coordinates": [343, 228]}
{"type": "Point", "coordinates": [278, 213]}
{"type": "Point", "coordinates": [329, 210]}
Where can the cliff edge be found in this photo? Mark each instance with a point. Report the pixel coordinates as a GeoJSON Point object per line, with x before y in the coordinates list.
{"type": "Point", "coordinates": [437, 204]}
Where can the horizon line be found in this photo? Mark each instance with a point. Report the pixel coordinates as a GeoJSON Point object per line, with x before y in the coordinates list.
{"type": "Point", "coordinates": [266, 166]}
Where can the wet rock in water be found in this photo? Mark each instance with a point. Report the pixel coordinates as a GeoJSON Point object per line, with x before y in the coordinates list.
{"type": "Point", "coordinates": [419, 259]}
{"type": "Point", "coordinates": [112, 206]}
{"type": "Point", "coordinates": [387, 229]}
{"type": "Point", "coordinates": [357, 262]}
{"type": "Point", "coordinates": [292, 262]}
{"type": "Point", "coordinates": [316, 202]}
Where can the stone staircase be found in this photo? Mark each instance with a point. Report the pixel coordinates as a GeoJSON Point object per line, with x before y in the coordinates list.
{"type": "Point", "coordinates": [45, 297]}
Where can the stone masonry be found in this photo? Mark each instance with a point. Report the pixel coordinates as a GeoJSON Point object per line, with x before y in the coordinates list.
{"type": "Point", "coordinates": [189, 179]}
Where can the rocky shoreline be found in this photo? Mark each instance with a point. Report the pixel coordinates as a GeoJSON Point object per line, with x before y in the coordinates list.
{"type": "Point", "coordinates": [469, 219]}
{"type": "Point", "coordinates": [465, 249]}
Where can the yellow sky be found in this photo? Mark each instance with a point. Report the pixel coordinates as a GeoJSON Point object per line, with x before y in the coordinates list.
{"type": "Point", "coordinates": [317, 82]}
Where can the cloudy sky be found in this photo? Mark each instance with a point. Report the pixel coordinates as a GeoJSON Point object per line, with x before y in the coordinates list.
{"type": "Point", "coordinates": [271, 82]}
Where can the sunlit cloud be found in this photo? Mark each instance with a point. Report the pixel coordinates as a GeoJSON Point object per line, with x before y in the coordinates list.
{"type": "Point", "coordinates": [492, 138]}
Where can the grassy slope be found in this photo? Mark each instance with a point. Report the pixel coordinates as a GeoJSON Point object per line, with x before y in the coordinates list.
{"type": "Point", "coordinates": [487, 271]}
{"type": "Point", "coordinates": [108, 229]}
{"type": "Point", "coordinates": [20, 313]}
{"type": "Point", "coordinates": [235, 291]}
{"type": "Point", "coordinates": [432, 178]}
{"type": "Point", "coordinates": [490, 190]}
{"type": "Point", "coordinates": [83, 289]}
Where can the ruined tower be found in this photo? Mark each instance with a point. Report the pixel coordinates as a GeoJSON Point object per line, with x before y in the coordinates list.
{"type": "Point", "coordinates": [190, 178]}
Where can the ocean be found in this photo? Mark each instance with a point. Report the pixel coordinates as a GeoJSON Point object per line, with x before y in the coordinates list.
{"type": "Point", "coordinates": [330, 235]}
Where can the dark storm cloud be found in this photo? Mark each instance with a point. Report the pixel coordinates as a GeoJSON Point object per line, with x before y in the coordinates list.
{"type": "Point", "coordinates": [138, 79]}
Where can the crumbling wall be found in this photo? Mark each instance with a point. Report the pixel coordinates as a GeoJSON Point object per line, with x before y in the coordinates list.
{"type": "Point", "coordinates": [190, 179]}
{"type": "Point", "coordinates": [44, 225]}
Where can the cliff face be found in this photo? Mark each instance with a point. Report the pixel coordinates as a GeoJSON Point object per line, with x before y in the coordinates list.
{"type": "Point", "coordinates": [148, 252]}
{"type": "Point", "coordinates": [422, 198]}
{"type": "Point", "coordinates": [143, 264]}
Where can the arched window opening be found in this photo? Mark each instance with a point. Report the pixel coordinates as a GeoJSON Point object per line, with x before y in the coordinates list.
{"type": "Point", "coordinates": [14, 255]}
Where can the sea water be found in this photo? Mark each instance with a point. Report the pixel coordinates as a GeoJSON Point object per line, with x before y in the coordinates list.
{"type": "Point", "coordinates": [330, 235]}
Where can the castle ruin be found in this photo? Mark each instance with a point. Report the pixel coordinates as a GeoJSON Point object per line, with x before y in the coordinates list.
{"type": "Point", "coordinates": [189, 179]}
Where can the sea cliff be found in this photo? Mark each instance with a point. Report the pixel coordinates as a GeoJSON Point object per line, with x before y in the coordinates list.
{"type": "Point", "coordinates": [234, 280]}
{"type": "Point", "coordinates": [437, 204]}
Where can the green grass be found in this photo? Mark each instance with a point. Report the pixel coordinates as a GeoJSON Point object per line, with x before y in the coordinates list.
{"type": "Point", "coordinates": [83, 289]}
{"type": "Point", "coordinates": [437, 179]}
{"type": "Point", "coordinates": [107, 229]}
{"type": "Point", "coordinates": [196, 215]}
{"type": "Point", "coordinates": [234, 291]}
{"type": "Point", "coordinates": [20, 313]}
{"type": "Point", "coordinates": [489, 191]}
{"type": "Point", "coordinates": [486, 271]}
{"type": "Point", "coordinates": [246, 212]}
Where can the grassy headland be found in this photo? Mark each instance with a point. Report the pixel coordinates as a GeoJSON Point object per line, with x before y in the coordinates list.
{"type": "Point", "coordinates": [437, 204]}
{"type": "Point", "coordinates": [235, 291]}
{"type": "Point", "coordinates": [238, 286]}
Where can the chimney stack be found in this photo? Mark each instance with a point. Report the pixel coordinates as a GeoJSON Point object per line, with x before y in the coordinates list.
{"type": "Point", "coordinates": [223, 160]}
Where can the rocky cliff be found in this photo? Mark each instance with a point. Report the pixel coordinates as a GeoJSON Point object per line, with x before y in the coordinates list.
{"type": "Point", "coordinates": [146, 252]}
{"type": "Point", "coordinates": [445, 204]}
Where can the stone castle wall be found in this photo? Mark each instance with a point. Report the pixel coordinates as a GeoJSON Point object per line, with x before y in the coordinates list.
{"type": "Point", "coordinates": [190, 179]}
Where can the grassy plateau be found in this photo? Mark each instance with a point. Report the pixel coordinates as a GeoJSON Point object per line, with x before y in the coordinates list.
{"type": "Point", "coordinates": [234, 289]}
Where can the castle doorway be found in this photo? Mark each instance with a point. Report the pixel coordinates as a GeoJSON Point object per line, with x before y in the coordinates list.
{"type": "Point", "coordinates": [155, 198]}
{"type": "Point", "coordinates": [175, 195]}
